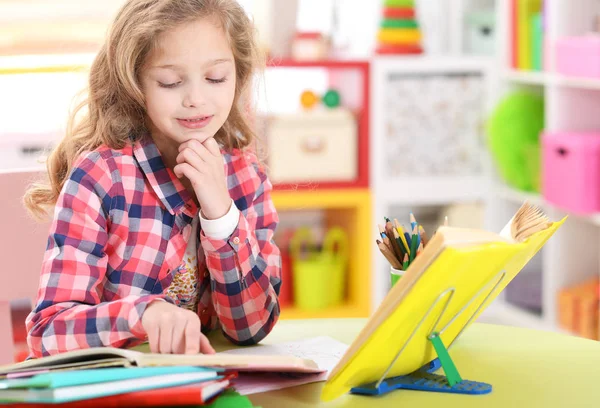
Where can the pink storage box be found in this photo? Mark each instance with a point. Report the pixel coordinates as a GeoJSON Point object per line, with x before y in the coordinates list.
{"type": "Point", "coordinates": [578, 56]}
{"type": "Point", "coordinates": [571, 170]}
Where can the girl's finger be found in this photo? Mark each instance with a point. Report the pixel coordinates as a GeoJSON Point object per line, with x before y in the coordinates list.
{"type": "Point", "coordinates": [205, 346]}
{"type": "Point", "coordinates": [186, 170]}
{"type": "Point", "coordinates": [153, 338]}
{"type": "Point", "coordinates": [191, 157]}
{"type": "Point", "coordinates": [192, 335]}
{"type": "Point", "coordinates": [212, 146]}
{"type": "Point", "coordinates": [166, 335]}
{"type": "Point", "coordinates": [178, 339]}
{"type": "Point", "coordinates": [203, 149]}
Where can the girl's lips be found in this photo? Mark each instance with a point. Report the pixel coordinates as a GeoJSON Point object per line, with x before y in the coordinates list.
{"type": "Point", "coordinates": [195, 123]}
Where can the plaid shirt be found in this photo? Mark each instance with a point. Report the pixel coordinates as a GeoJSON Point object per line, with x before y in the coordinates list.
{"type": "Point", "coordinates": [120, 229]}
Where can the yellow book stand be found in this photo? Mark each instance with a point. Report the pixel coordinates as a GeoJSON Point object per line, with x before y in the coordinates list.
{"type": "Point", "coordinates": [430, 307]}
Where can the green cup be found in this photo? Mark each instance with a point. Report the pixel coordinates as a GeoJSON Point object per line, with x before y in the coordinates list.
{"type": "Point", "coordinates": [395, 275]}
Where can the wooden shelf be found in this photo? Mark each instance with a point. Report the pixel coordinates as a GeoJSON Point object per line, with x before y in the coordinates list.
{"type": "Point", "coordinates": [326, 198]}
{"type": "Point", "coordinates": [326, 64]}
{"type": "Point", "coordinates": [351, 210]}
{"type": "Point", "coordinates": [352, 79]}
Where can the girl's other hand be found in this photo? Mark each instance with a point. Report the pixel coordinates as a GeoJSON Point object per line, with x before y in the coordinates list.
{"type": "Point", "coordinates": [173, 330]}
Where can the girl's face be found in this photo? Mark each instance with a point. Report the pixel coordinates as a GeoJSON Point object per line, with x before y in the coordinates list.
{"type": "Point", "coordinates": [189, 83]}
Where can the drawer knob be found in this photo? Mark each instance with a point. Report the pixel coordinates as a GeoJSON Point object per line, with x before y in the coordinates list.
{"type": "Point", "coordinates": [562, 151]}
{"type": "Point", "coordinates": [313, 144]}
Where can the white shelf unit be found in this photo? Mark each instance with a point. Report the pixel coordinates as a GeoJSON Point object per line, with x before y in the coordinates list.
{"type": "Point", "coordinates": [413, 192]}
{"type": "Point", "coordinates": [571, 103]}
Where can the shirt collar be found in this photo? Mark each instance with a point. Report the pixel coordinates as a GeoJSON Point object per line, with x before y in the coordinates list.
{"type": "Point", "coordinates": [163, 181]}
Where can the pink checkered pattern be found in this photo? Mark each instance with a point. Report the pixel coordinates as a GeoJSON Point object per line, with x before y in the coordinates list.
{"type": "Point", "coordinates": [120, 230]}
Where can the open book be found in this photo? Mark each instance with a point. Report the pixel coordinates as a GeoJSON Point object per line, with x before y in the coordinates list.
{"type": "Point", "coordinates": [98, 357]}
{"type": "Point", "coordinates": [448, 285]}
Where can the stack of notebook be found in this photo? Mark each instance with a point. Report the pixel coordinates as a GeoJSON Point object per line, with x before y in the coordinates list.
{"type": "Point", "coordinates": [112, 387]}
{"type": "Point", "coordinates": [109, 377]}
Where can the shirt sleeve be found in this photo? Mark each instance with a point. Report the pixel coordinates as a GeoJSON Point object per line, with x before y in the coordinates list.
{"type": "Point", "coordinates": [223, 227]}
{"type": "Point", "coordinates": [245, 267]}
{"type": "Point", "coordinates": [69, 312]}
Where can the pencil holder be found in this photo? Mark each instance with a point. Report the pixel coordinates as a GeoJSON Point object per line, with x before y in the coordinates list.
{"type": "Point", "coordinates": [395, 275]}
{"type": "Point", "coordinates": [319, 275]}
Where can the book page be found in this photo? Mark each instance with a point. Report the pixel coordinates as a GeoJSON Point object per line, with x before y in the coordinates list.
{"type": "Point", "coordinates": [76, 359]}
{"type": "Point", "coordinates": [323, 350]}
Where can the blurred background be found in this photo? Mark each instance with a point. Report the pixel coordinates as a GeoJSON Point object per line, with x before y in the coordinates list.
{"type": "Point", "coordinates": [366, 109]}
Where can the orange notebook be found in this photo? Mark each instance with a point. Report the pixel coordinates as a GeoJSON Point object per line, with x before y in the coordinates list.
{"type": "Point", "coordinates": [185, 395]}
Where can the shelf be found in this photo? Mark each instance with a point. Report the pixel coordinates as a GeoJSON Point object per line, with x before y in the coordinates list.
{"type": "Point", "coordinates": [327, 64]}
{"type": "Point", "coordinates": [544, 78]}
{"type": "Point", "coordinates": [575, 82]}
{"type": "Point", "coordinates": [501, 312]}
{"type": "Point", "coordinates": [344, 311]}
{"type": "Point", "coordinates": [434, 190]}
{"type": "Point", "coordinates": [326, 199]}
{"type": "Point", "coordinates": [526, 77]}
{"type": "Point", "coordinates": [350, 210]}
{"type": "Point", "coordinates": [434, 63]}
{"type": "Point", "coordinates": [352, 80]}
{"type": "Point", "coordinates": [517, 196]}
{"type": "Point", "coordinates": [322, 185]}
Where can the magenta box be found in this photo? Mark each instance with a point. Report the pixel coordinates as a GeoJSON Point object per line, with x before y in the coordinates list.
{"type": "Point", "coordinates": [578, 56]}
{"type": "Point", "coordinates": [571, 170]}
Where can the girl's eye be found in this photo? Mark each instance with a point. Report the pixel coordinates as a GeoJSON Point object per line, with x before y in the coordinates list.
{"type": "Point", "coordinates": [173, 85]}
{"type": "Point", "coordinates": [216, 81]}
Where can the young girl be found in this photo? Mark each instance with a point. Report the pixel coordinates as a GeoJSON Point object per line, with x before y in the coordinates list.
{"type": "Point", "coordinates": [163, 225]}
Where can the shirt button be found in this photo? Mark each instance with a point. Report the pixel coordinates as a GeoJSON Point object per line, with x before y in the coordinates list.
{"type": "Point", "coordinates": [236, 240]}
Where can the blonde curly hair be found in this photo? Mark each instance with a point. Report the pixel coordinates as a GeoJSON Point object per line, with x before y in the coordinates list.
{"type": "Point", "coordinates": [113, 112]}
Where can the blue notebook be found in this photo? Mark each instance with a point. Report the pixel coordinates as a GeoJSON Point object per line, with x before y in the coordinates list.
{"type": "Point", "coordinates": [98, 375]}
{"type": "Point", "coordinates": [77, 385]}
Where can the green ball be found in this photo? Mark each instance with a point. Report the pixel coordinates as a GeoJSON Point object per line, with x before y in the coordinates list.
{"type": "Point", "coordinates": [331, 98]}
{"type": "Point", "coordinates": [514, 139]}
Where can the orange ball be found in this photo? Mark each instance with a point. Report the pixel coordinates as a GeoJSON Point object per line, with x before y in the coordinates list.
{"type": "Point", "coordinates": [308, 99]}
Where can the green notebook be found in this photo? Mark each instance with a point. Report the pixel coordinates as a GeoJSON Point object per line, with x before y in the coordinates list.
{"type": "Point", "coordinates": [537, 42]}
{"type": "Point", "coordinates": [99, 385]}
{"type": "Point", "coordinates": [99, 375]}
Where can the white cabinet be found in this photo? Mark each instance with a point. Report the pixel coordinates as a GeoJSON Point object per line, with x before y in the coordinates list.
{"type": "Point", "coordinates": [427, 144]}
{"type": "Point", "coordinates": [572, 255]}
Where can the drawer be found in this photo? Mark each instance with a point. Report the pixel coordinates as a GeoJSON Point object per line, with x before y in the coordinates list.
{"type": "Point", "coordinates": [571, 170]}
{"type": "Point", "coordinates": [313, 147]}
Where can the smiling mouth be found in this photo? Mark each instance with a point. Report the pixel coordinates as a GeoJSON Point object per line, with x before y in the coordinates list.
{"type": "Point", "coordinates": [198, 119]}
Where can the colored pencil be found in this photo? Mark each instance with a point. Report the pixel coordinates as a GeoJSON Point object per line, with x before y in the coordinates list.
{"type": "Point", "coordinates": [401, 234]}
{"type": "Point", "coordinates": [413, 220]}
{"type": "Point", "coordinates": [401, 243]}
{"type": "Point", "coordinates": [389, 230]}
{"type": "Point", "coordinates": [413, 244]}
{"type": "Point", "coordinates": [389, 255]}
{"type": "Point", "coordinates": [423, 235]}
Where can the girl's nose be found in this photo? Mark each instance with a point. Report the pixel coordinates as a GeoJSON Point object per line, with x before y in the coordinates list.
{"type": "Point", "coordinates": [193, 98]}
